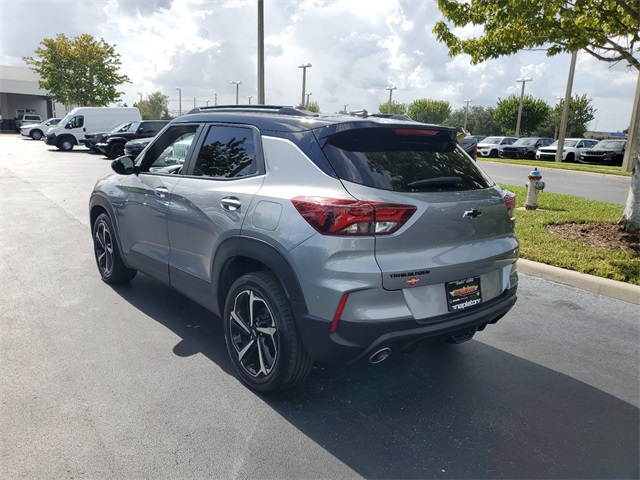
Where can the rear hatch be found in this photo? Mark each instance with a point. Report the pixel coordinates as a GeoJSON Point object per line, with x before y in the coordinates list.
{"type": "Point", "coordinates": [459, 226]}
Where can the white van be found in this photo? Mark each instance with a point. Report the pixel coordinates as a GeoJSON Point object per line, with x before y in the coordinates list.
{"type": "Point", "coordinates": [83, 120]}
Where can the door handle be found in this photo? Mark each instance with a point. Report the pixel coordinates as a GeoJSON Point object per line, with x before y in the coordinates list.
{"type": "Point", "coordinates": [161, 192]}
{"type": "Point", "coordinates": [231, 203]}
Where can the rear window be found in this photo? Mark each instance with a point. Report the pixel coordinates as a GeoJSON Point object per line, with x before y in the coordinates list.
{"type": "Point", "coordinates": [403, 160]}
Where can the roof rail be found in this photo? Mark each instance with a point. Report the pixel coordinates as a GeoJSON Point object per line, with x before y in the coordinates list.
{"type": "Point", "coordinates": [278, 109]}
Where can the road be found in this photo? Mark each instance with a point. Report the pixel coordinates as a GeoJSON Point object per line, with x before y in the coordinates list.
{"type": "Point", "coordinates": [134, 381]}
{"type": "Point", "coordinates": [606, 188]}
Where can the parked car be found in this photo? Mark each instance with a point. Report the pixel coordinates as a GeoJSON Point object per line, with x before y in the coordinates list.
{"type": "Point", "coordinates": [92, 139]}
{"type": "Point", "coordinates": [479, 138]}
{"type": "Point", "coordinates": [329, 238]}
{"type": "Point", "coordinates": [133, 148]}
{"type": "Point", "coordinates": [609, 152]}
{"type": "Point", "coordinates": [37, 130]}
{"type": "Point", "coordinates": [492, 146]}
{"type": "Point", "coordinates": [80, 121]}
{"type": "Point", "coordinates": [571, 151]}
{"type": "Point", "coordinates": [112, 145]}
{"type": "Point", "coordinates": [26, 119]}
{"type": "Point", "coordinates": [525, 147]}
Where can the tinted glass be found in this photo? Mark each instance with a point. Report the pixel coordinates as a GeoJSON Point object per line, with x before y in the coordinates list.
{"type": "Point", "coordinates": [380, 158]}
{"type": "Point", "coordinates": [227, 152]}
{"type": "Point", "coordinates": [169, 152]}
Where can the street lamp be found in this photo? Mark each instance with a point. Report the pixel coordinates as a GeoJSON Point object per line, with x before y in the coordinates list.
{"type": "Point", "coordinates": [308, 94]}
{"type": "Point", "coordinates": [215, 99]}
{"type": "Point", "coordinates": [179, 101]}
{"type": "Point", "coordinates": [140, 96]}
{"type": "Point", "coordinates": [237, 84]}
{"type": "Point", "coordinates": [466, 112]}
{"type": "Point", "coordinates": [391, 89]}
{"type": "Point", "coordinates": [523, 80]}
{"type": "Point", "coordinates": [345, 107]}
{"type": "Point", "coordinates": [304, 80]}
{"type": "Point", "coordinates": [249, 97]}
{"type": "Point", "coordinates": [555, 134]}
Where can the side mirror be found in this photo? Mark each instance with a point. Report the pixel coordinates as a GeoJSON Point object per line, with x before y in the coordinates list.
{"type": "Point", "coordinates": [123, 165]}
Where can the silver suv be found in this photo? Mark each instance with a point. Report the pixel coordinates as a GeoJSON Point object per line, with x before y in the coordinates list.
{"type": "Point", "coordinates": [328, 238]}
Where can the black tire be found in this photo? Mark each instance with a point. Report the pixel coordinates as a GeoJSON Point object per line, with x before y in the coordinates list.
{"type": "Point", "coordinates": [266, 350]}
{"type": "Point", "coordinates": [35, 134]}
{"type": "Point", "coordinates": [529, 156]}
{"type": "Point", "coordinates": [107, 253]}
{"type": "Point", "coordinates": [116, 150]}
{"type": "Point", "coordinates": [65, 144]}
{"type": "Point", "coordinates": [494, 153]}
{"type": "Point", "coordinates": [571, 158]}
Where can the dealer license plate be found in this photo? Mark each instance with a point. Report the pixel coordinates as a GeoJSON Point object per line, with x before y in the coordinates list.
{"type": "Point", "coordinates": [463, 294]}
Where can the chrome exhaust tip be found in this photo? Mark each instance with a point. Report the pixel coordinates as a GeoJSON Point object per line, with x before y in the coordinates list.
{"type": "Point", "coordinates": [380, 355]}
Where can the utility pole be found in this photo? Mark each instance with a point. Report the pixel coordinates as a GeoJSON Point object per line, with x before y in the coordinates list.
{"type": "Point", "coordinates": [391, 89]}
{"type": "Point", "coordinates": [304, 80]}
{"type": "Point", "coordinates": [466, 113]}
{"type": "Point", "coordinates": [261, 99]}
{"type": "Point", "coordinates": [249, 97]}
{"type": "Point", "coordinates": [524, 81]}
{"type": "Point", "coordinates": [179, 101]}
{"type": "Point", "coordinates": [237, 84]}
{"type": "Point", "coordinates": [308, 94]}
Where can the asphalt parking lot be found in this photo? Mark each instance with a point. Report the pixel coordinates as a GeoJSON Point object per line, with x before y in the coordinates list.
{"type": "Point", "coordinates": [134, 381]}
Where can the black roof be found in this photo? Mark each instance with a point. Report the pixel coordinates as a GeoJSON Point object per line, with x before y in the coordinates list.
{"type": "Point", "coordinates": [291, 119]}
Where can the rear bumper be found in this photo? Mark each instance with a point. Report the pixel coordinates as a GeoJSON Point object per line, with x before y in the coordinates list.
{"type": "Point", "coordinates": [354, 341]}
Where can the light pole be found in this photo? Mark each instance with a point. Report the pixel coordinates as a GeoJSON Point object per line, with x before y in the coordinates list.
{"type": "Point", "coordinates": [466, 112]}
{"type": "Point", "coordinates": [249, 97]}
{"type": "Point", "coordinates": [215, 99]}
{"type": "Point", "coordinates": [207, 103]}
{"type": "Point", "coordinates": [555, 135]}
{"type": "Point", "coordinates": [140, 96]}
{"type": "Point", "coordinates": [194, 102]}
{"type": "Point", "coordinates": [391, 89]}
{"type": "Point", "coordinates": [345, 107]}
{"type": "Point", "coordinates": [304, 80]}
{"type": "Point", "coordinates": [179, 101]}
{"type": "Point", "coordinates": [523, 80]}
{"type": "Point", "coordinates": [237, 84]}
{"type": "Point", "coordinates": [261, 100]}
{"type": "Point", "coordinates": [308, 94]}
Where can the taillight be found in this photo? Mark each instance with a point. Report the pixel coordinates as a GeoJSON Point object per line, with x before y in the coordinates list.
{"type": "Point", "coordinates": [335, 216]}
{"type": "Point", "coordinates": [509, 201]}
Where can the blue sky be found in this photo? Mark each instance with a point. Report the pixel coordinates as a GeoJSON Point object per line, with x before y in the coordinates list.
{"type": "Point", "coordinates": [356, 47]}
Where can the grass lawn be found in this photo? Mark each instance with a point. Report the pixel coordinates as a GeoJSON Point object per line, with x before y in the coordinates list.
{"type": "Point", "coordinates": [540, 246]}
{"type": "Point", "coordinates": [579, 167]}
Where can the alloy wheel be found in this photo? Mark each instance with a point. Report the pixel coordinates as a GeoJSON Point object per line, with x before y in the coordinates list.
{"type": "Point", "coordinates": [253, 333]}
{"type": "Point", "coordinates": [104, 248]}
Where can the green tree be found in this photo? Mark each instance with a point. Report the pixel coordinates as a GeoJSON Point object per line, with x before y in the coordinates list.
{"type": "Point", "coordinates": [155, 107]}
{"type": "Point", "coordinates": [313, 107]}
{"type": "Point", "coordinates": [429, 111]}
{"type": "Point", "coordinates": [397, 108]}
{"type": "Point", "coordinates": [78, 70]}
{"type": "Point", "coordinates": [480, 120]}
{"type": "Point", "coordinates": [534, 113]}
{"type": "Point", "coordinates": [581, 112]}
{"type": "Point", "coordinates": [605, 29]}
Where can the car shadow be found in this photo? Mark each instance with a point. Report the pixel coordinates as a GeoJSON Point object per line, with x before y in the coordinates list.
{"type": "Point", "coordinates": [452, 411]}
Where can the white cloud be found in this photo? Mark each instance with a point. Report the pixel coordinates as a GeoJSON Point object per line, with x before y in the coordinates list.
{"type": "Point", "coordinates": [356, 47]}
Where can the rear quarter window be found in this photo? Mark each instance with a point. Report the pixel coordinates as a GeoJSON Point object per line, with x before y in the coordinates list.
{"type": "Point", "coordinates": [381, 158]}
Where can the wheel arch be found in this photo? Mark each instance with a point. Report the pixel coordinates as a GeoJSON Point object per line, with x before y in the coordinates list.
{"type": "Point", "coordinates": [237, 256]}
{"type": "Point", "coordinates": [66, 136]}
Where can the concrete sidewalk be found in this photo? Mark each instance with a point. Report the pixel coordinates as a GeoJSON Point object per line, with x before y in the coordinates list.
{"type": "Point", "coordinates": [603, 286]}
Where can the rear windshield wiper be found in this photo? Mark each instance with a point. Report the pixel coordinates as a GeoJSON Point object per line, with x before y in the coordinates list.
{"type": "Point", "coordinates": [436, 182]}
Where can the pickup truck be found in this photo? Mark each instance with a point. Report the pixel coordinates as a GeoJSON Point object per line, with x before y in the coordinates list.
{"type": "Point", "coordinates": [112, 145]}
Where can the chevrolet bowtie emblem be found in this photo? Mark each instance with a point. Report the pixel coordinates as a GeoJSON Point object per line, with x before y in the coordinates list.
{"type": "Point", "coordinates": [474, 213]}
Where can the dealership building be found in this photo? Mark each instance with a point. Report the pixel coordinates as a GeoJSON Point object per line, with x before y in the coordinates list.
{"type": "Point", "coordinates": [20, 93]}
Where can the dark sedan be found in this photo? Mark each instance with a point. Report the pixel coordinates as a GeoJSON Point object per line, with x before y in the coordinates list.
{"type": "Point", "coordinates": [606, 152]}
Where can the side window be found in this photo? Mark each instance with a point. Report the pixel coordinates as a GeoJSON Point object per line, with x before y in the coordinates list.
{"type": "Point", "coordinates": [76, 122]}
{"type": "Point", "coordinates": [169, 152]}
{"type": "Point", "coordinates": [227, 152]}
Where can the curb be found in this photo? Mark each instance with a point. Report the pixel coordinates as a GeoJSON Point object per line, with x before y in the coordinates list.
{"type": "Point", "coordinates": [603, 286]}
